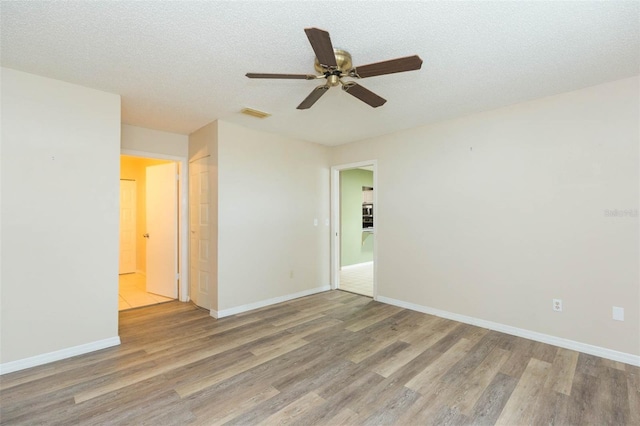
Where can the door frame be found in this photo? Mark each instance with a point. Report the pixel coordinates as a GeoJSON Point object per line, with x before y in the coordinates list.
{"type": "Point", "coordinates": [336, 224]}
{"type": "Point", "coordinates": [133, 183]}
{"type": "Point", "coordinates": [183, 215]}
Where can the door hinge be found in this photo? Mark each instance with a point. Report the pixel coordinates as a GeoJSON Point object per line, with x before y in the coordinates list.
{"type": "Point", "coordinates": [177, 177]}
{"type": "Point", "coordinates": [177, 277]}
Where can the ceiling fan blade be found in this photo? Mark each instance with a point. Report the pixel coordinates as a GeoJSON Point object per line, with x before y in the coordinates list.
{"type": "Point", "coordinates": [321, 44]}
{"type": "Point", "coordinates": [365, 95]}
{"type": "Point", "coordinates": [284, 76]}
{"type": "Point", "coordinates": [408, 63]}
{"type": "Point", "coordinates": [313, 97]}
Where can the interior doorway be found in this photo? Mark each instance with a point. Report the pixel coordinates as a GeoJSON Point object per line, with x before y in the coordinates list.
{"type": "Point", "coordinates": [149, 204]}
{"type": "Point", "coordinates": [354, 219]}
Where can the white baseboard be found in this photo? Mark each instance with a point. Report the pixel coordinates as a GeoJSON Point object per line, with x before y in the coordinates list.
{"type": "Point", "coordinates": [244, 308]}
{"type": "Point", "coordinates": [520, 332]}
{"type": "Point", "coordinates": [356, 265]}
{"type": "Point", "coordinates": [21, 364]}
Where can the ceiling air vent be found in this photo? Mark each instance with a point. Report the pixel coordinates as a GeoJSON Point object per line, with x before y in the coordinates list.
{"type": "Point", "coordinates": [254, 113]}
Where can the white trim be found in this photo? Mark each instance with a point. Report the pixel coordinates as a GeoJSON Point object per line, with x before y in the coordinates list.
{"type": "Point", "coordinates": [136, 153]}
{"type": "Point", "coordinates": [357, 265]}
{"type": "Point", "coordinates": [335, 221]}
{"type": "Point", "coordinates": [183, 215]}
{"type": "Point", "coordinates": [268, 302]}
{"type": "Point", "coordinates": [520, 332]}
{"type": "Point", "coordinates": [21, 364]}
{"type": "Point", "coordinates": [335, 227]}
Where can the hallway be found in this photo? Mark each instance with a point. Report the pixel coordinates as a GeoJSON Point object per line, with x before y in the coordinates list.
{"type": "Point", "coordinates": [132, 292]}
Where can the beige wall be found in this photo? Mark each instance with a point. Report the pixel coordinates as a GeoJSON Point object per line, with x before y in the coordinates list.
{"type": "Point", "coordinates": [136, 138]}
{"type": "Point", "coordinates": [270, 190]}
{"type": "Point", "coordinates": [493, 215]}
{"type": "Point", "coordinates": [60, 192]}
{"type": "Point", "coordinates": [265, 192]}
{"type": "Point", "coordinates": [135, 168]}
{"type": "Point", "coordinates": [513, 212]}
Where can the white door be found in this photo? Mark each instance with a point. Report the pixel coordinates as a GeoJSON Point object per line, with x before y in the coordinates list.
{"type": "Point", "coordinates": [199, 233]}
{"type": "Point", "coordinates": [162, 229]}
{"type": "Point", "coordinates": [127, 227]}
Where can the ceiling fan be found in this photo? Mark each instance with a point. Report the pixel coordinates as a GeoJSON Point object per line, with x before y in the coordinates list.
{"type": "Point", "coordinates": [335, 64]}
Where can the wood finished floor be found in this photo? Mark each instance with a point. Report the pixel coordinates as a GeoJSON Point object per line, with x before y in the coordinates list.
{"type": "Point", "coordinates": [334, 358]}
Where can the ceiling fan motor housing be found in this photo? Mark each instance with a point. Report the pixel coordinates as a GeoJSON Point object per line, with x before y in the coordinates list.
{"type": "Point", "coordinates": [343, 59]}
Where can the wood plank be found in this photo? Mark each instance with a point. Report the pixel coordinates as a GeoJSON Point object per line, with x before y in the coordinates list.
{"type": "Point", "coordinates": [382, 314]}
{"type": "Point", "coordinates": [204, 333]}
{"type": "Point", "coordinates": [381, 356]}
{"type": "Point", "coordinates": [339, 391]}
{"type": "Point", "coordinates": [367, 349]}
{"type": "Point", "coordinates": [476, 354]}
{"type": "Point", "coordinates": [469, 388]}
{"type": "Point", "coordinates": [219, 414]}
{"type": "Point", "coordinates": [583, 395]}
{"type": "Point", "coordinates": [588, 364]}
{"type": "Point", "coordinates": [342, 394]}
{"type": "Point", "coordinates": [238, 367]}
{"type": "Point", "coordinates": [613, 398]}
{"type": "Point", "coordinates": [46, 381]}
{"type": "Point", "coordinates": [614, 364]}
{"type": "Point", "coordinates": [388, 406]}
{"type": "Point", "coordinates": [423, 381]}
{"type": "Point", "coordinates": [297, 318]}
{"type": "Point", "coordinates": [492, 401]}
{"type": "Point", "coordinates": [308, 328]}
{"type": "Point", "coordinates": [633, 393]}
{"type": "Point", "coordinates": [451, 417]}
{"type": "Point", "coordinates": [175, 362]}
{"type": "Point", "coordinates": [516, 364]}
{"type": "Point", "coordinates": [326, 359]}
{"type": "Point", "coordinates": [289, 392]}
{"type": "Point", "coordinates": [397, 361]}
{"type": "Point", "coordinates": [552, 409]}
{"type": "Point", "coordinates": [562, 371]}
{"type": "Point", "coordinates": [345, 417]}
{"type": "Point", "coordinates": [291, 413]}
{"type": "Point", "coordinates": [521, 406]}
{"type": "Point", "coordinates": [421, 412]}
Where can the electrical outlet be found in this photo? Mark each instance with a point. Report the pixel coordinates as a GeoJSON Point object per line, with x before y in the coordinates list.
{"type": "Point", "coordinates": [557, 305]}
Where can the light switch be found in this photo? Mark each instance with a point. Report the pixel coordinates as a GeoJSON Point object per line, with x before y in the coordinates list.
{"type": "Point", "coordinates": [618, 313]}
{"type": "Point", "coordinates": [315, 222]}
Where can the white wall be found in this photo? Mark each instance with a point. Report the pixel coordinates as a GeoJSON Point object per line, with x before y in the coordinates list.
{"type": "Point", "coordinates": [139, 139]}
{"type": "Point", "coordinates": [493, 215]}
{"type": "Point", "coordinates": [60, 162]}
{"type": "Point", "coordinates": [270, 190]}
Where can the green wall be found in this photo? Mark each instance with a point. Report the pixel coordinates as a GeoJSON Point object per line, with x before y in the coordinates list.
{"type": "Point", "coordinates": [352, 250]}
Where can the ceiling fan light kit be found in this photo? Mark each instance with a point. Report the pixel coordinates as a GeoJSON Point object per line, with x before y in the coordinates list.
{"type": "Point", "coordinates": [335, 64]}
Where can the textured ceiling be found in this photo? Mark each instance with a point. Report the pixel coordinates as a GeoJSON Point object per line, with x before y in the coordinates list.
{"type": "Point", "coordinates": [181, 65]}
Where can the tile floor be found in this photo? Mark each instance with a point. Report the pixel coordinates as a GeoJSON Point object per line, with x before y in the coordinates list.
{"type": "Point", "coordinates": [357, 279]}
{"type": "Point", "coordinates": [132, 292]}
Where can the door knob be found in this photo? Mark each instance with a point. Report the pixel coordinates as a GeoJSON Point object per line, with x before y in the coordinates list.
{"type": "Point", "coordinates": [146, 235]}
